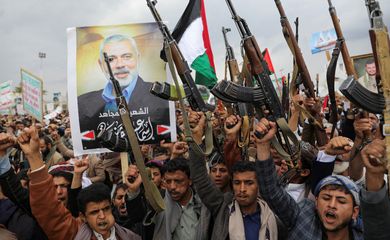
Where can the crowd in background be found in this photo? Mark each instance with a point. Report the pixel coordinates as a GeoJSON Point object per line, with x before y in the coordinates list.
{"type": "Point", "coordinates": [334, 191]}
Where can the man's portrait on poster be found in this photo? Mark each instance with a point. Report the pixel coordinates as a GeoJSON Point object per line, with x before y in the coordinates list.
{"type": "Point", "coordinates": [366, 70]}
{"type": "Point", "coordinates": [98, 110]}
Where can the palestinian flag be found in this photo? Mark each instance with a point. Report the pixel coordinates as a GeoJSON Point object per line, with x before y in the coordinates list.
{"type": "Point", "coordinates": [191, 33]}
{"type": "Point", "coordinates": [267, 58]}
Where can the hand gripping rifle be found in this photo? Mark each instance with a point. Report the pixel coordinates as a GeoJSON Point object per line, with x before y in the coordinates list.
{"type": "Point", "coordinates": [151, 191]}
{"type": "Point", "coordinates": [175, 59]}
{"type": "Point", "coordinates": [353, 90]}
{"type": "Point", "coordinates": [301, 71]}
{"type": "Point", "coordinates": [264, 95]}
{"type": "Point", "coordinates": [347, 62]}
{"type": "Point", "coordinates": [239, 108]}
{"type": "Point", "coordinates": [380, 42]}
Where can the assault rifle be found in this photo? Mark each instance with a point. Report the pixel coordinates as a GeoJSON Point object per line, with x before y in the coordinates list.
{"type": "Point", "coordinates": [192, 93]}
{"type": "Point", "coordinates": [231, 60]}
{"type": "Point", "coordinates": [344, 49]}
{"type": "Point", "coordinates": [151, 192]}
{"type": "Point", "coordinates": [330, 77]}
{"type": "Point", "coordinates": [302, 68]}
{"type": "Point", "coordinates": [303, 72]}
{"type": "Point", "coordinates": [234, 91]}
{"type": "Point", "coordinates": [348, 67]}
{"type": "Point", "coordinates": [353, 90]}
{"type": "Point", "coordinates": [264, 95]}
{"type": "Point", "coordinates": [244, 110]}
{"type": "Point", "coordinates": [380, 42]}
{"type": "Point", "coordinates": [194, 98]}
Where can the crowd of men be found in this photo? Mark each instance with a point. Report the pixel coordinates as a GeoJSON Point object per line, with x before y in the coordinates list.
{"type": "Point", "coordinates": [336, 191]}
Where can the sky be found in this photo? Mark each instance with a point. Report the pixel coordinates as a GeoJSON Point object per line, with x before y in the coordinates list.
{"type": "Point", "coordinates": [28, 27]}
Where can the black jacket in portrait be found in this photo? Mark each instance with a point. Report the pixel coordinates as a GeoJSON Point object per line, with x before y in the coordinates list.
{"type": "Point", "coordinates": [147, 112]}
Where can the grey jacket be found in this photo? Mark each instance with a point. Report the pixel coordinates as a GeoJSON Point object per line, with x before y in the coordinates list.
{"type": "Point", "coordinates": [167, 220]}
{"type": "Point", "coordinates": [375, 207]}
{"type": "Point", "coordinates": [216, 201]}
{"type": "Point", "coordinates": [301, 219]}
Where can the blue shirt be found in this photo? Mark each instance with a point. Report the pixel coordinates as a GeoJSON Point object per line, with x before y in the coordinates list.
{"type": "Point", "coordinates": [109, 97]}
{"type": "Point", "coordinates": [252, 225]}
{"type": "Point", "coordinates": [5, 165]}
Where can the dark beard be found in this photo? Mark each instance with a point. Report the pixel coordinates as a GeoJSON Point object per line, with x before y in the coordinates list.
{"type": "Point", "coordinates": [341, 226]}
{"type": "Point", "coordinates": [45, 153]}
{"type": "Point", "coordinates": [344, 224]}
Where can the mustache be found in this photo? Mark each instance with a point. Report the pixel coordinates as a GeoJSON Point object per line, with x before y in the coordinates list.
{"type": "Point", "coordinates": [121, 71]}
{"type": "Point", "coordinates": [173, 192]}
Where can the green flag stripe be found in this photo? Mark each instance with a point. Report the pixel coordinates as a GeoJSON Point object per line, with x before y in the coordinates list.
{"type": "Point", "coordinates": [205, 74]}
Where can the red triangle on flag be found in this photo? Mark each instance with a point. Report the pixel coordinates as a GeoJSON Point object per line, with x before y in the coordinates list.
{"type": "Point", "coordinates": [88, 135]}
{"type": "Point", "coordinates": [163, 129]}
{"type": "Point", "coordinates": [267, 58]}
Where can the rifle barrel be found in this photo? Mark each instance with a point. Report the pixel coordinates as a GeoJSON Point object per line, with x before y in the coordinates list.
{"type": "Point", "coordinates": [298, 54]}
{"type": "Point", "coordinates": [115, 82]}
{"type": "Point", "coordinates": [344, 49]}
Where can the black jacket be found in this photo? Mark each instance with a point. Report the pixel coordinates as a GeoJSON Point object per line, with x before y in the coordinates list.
{"type": "Point", "coordinates": [92, 116]}
{"type": "Point", "coordinates": [15, 212]}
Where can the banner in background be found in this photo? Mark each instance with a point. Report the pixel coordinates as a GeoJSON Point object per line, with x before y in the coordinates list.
{"type": "Point", "coordinates": [19, 109]}
{"type": "Point", "coordinates": [322, 41]}
{"type": "Point", "coordinates": [53, 113]}
{"type": "Point", "coordinates": [6, 97]}
{"type": "Point", "coordinates": [32, 91]}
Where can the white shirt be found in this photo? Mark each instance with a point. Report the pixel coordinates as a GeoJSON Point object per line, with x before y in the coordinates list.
{"type": "Point", "coordinates": [100, 237]}
{"type": "Point", "coordinates": [296, 191]}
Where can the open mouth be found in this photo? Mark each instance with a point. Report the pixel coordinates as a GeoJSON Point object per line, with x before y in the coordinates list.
{"type": "Point", "coordinates": [330, 217]}
{"type": "Point", "coordinates": [102, 225]}
{"type": "Point", "coordinates": [122, 209]}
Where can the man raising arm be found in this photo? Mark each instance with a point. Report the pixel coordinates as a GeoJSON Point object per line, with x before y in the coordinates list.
{"type": "Point", "coordinates": [329, 216]}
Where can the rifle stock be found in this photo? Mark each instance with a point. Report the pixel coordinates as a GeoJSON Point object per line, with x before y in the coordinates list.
{"type": "Point", "coordinates": [151, 192]}
{"type": "Point", "coordinates": [304, 72]}
{"type": "Point", "coordinates": [344, 49]}
{"type": "Point", "coordinates": [379, 36]}
{"type": "Point", "coordinates": [231, 61]}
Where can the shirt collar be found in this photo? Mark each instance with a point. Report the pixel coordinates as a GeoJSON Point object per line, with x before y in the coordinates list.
{"type": "Point", "coordinates": [100, 237]}
{"type": "Point", "coordinates": [109, 97]}
{"type": "Point", "coordinates": [192, 201]}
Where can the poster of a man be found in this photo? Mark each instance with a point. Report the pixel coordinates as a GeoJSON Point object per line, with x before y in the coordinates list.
{"type": "Point", "coordinates": [95, 110]}
{"type": "Point", "coordinates": [366, 70]}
